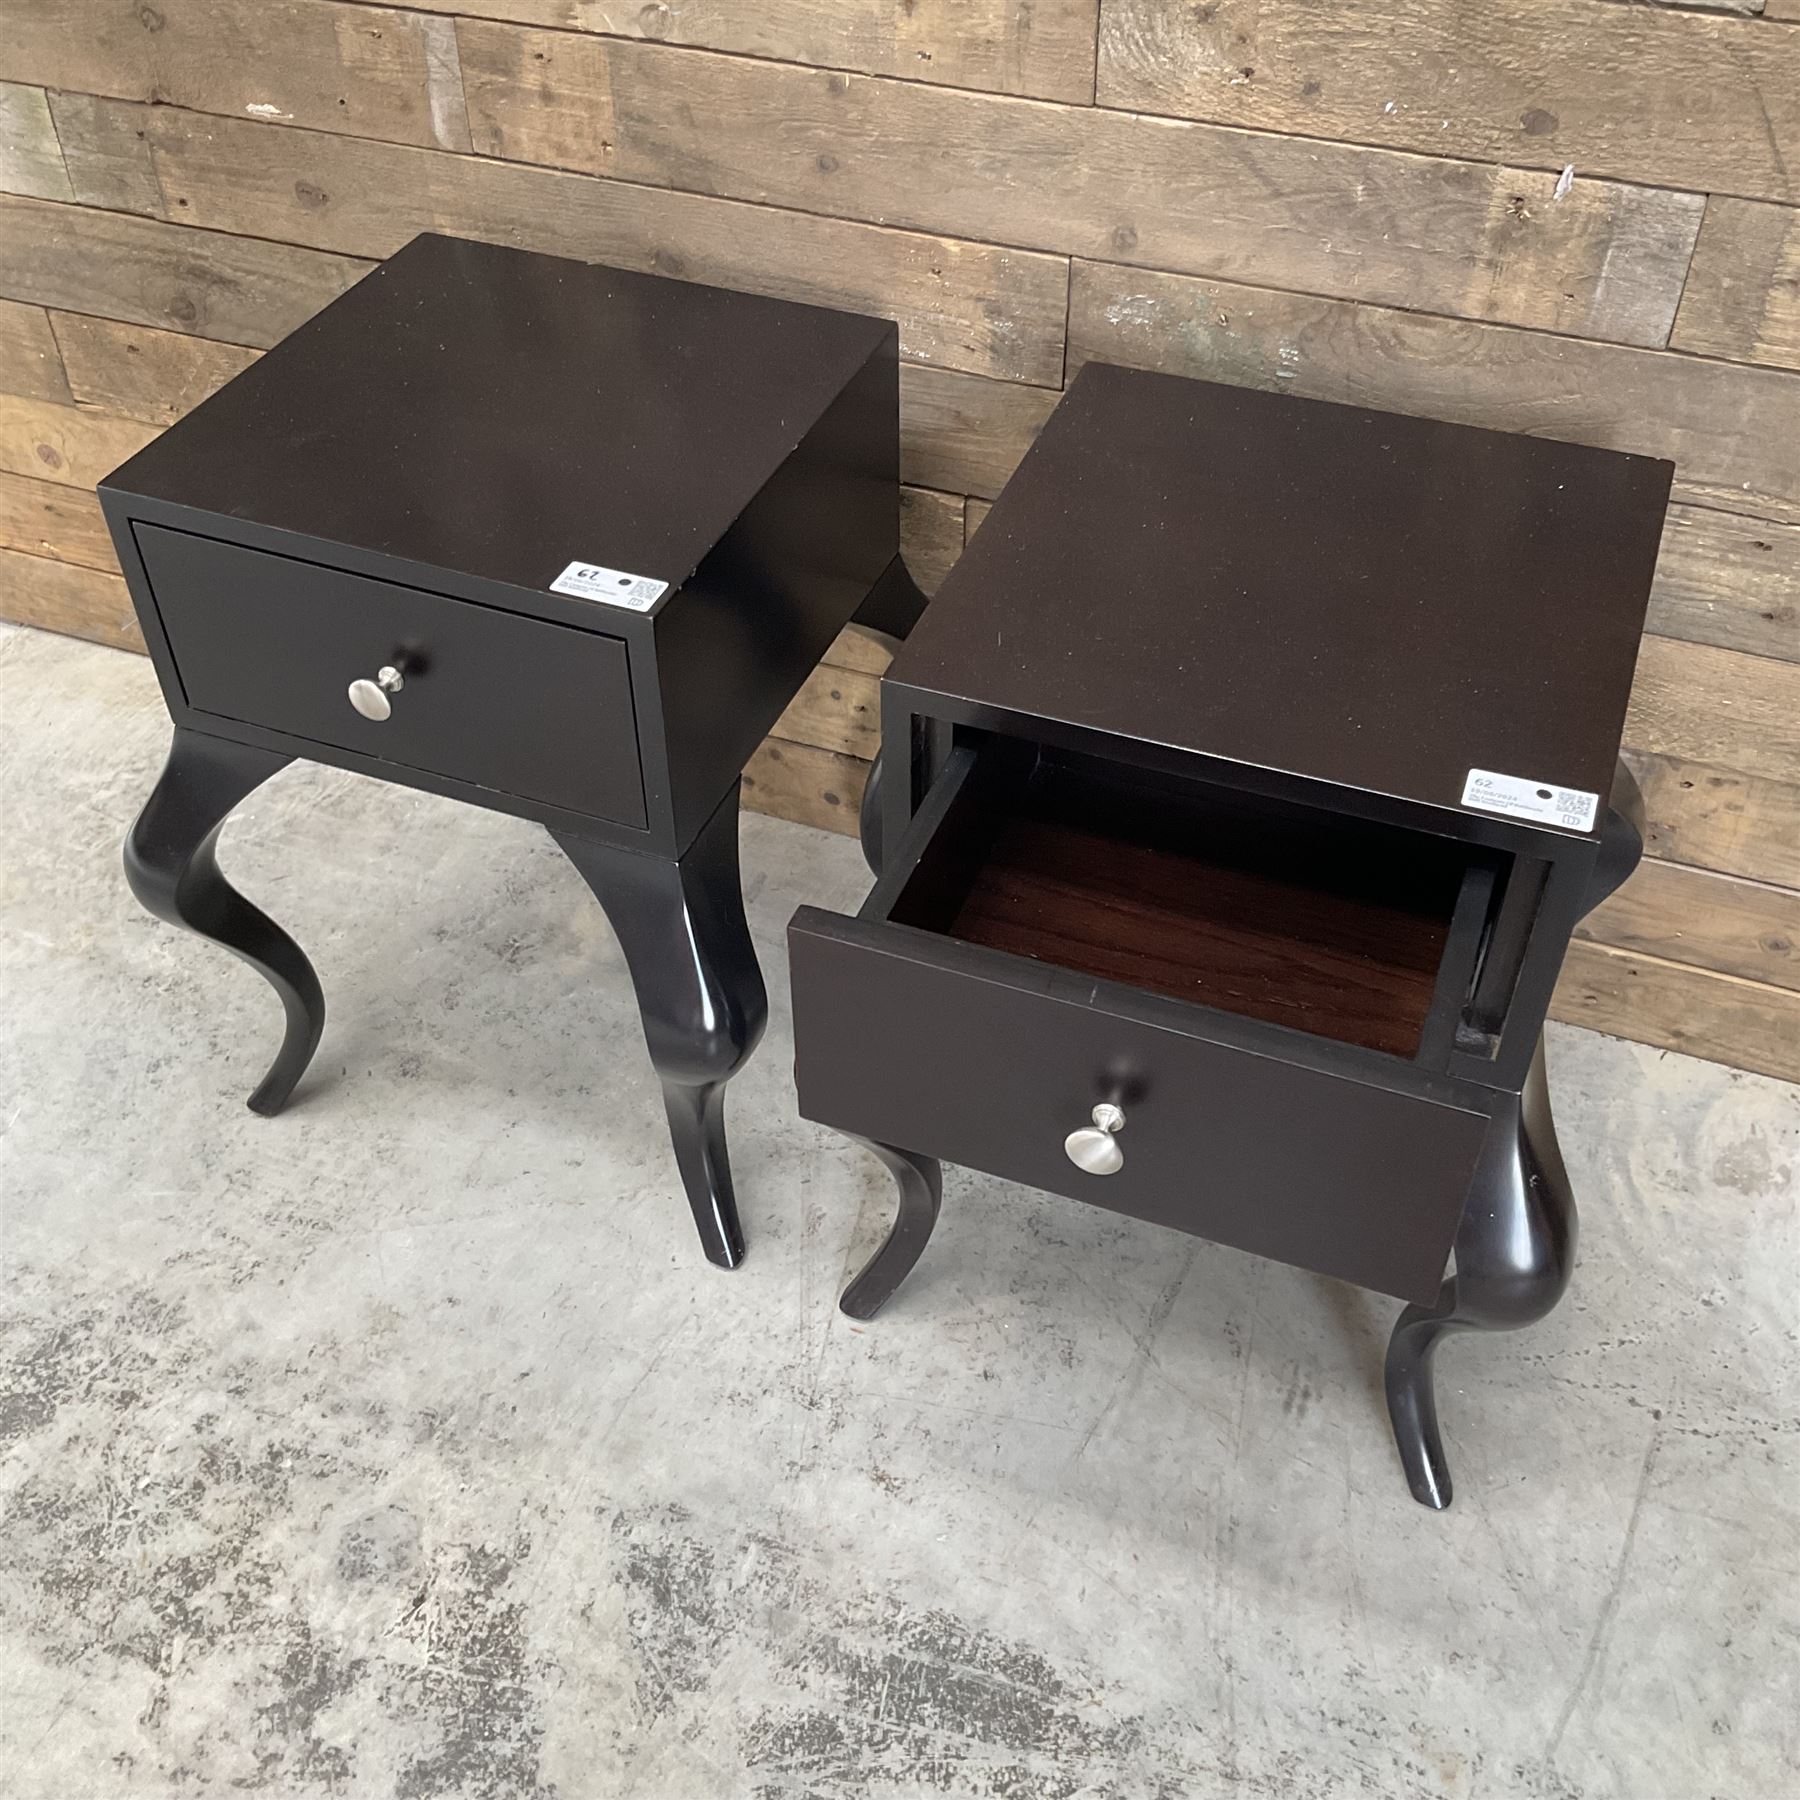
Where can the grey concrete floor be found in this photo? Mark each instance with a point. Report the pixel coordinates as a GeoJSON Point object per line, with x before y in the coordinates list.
{"type": "Point", "coordinates": [404, 1445]}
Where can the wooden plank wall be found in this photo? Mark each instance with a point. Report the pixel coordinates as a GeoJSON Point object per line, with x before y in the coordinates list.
{"type": "Point", "coordinates": [1355, 202]}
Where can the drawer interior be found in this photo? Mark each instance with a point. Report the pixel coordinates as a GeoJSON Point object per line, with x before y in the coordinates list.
{"type": "Point", "coordinates": [1360, 933]}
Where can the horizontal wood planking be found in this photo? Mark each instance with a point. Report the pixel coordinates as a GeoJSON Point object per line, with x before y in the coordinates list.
{"type": "Point", "coordinates": [1044, 49]}
{"type": "Point", "coordinates": [1743, 1023]}
{"type": "Point", "coordinates": [836, 709]}
{"type": "Point", "coordinates": [1718, 818]}
{"type": "Point", "coordinates": [1680, 100]}
{"type": "Point", "coordinates": [30, 157]}
{"type": "Point", "coordinates": [372, 72]}
{"type": "Point", "coordinates": [141, 373]}
{"type": "Point", "coordinates": [964, 306]}
{"type": "Point", "coordinates": [44, 518]}
{"type": "Point", "coordinates": [1423, 232]}
{"type": "Point", "coordinates": [29, 360]}
{"type": "Point", "coordinates": [1742, 928]}
{"type": "Point", "coordinates": [63, 596]}
{"type": "Point", "coordinates": [963, 434]}
{"type": "Point", "coordinates": [931, 534]}
{"type": "Point", "coordinates": [1725, 579]}
{"type": "Point", "coordinates": [145, 272]}
{"type": "Point", "coordinates": [65, 443]}
{"type": "Point", "coordinates": [800, 781]}
{"type": "Point", "coordinates": [136, 326]}
{"type": "Point", "coordinates": [1772, 509]}
{"type": "Point", "coordinates": [1743, 290]}
{"type": "Point", "coordinates": [1704, 704]}
{"type": "Point", "coordinates": [1736, 429]}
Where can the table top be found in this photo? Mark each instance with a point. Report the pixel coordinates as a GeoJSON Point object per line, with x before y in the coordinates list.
{"type": "Point", "coordinates": [1379, 602]}
{"type": "Point", "coordinates": [504, 413]}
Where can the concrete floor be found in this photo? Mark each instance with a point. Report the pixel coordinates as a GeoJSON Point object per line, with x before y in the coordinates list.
{"type": "Point", "coordinates": [404, 1445]}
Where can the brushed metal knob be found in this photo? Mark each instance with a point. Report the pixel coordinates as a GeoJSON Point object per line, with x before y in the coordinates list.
{"type": "Point", "coordinates": [1094, 1148]}
{"type": "Point", "coordinates": [370, 698]}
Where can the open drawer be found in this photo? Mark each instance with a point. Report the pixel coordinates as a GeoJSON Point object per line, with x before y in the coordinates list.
{"type": "Point", "coordinates": [1270, 995]}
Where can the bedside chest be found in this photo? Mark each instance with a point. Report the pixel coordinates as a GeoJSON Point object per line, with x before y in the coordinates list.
{"type": "Point", "coordinates": [551, 538]}
{"type": "Point", "coordinates": [1245, 783]}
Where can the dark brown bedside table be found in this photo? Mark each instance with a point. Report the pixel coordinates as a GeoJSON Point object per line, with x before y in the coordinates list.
{"type": "Point", "coordinates": [551, 538]}
{"type": "Point", "coordinates": [1246, 781]}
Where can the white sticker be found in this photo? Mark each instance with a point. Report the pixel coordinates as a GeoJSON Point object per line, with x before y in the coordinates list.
{"type": "Point", "coordinates": [1568, 807]}
{"type": "Point", "coordinates": [588, 581]}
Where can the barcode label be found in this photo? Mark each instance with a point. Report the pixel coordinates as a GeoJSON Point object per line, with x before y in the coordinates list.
{"type": "Point", "coordinates": [591, 581]}
{"type": "Point", "coordinates": [1570, 808]}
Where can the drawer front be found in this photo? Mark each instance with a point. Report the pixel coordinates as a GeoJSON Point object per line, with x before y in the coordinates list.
{"type": "Point", "coordinates": [899, 1039]}
{"type": "Point", "coordinates": [516, 705]}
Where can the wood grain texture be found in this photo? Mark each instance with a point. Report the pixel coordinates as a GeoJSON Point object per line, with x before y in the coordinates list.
{"type": "Point", "coordinates": [1437, 235]}
{"type": "Point", "coordinates": [64, 443]}
{"type": "Point", "coordinates": [1733, 427]}
{"type": "Point", "coordinates": [30, 363]}
{"type": "Point", "coordinates": [931, 534]}
{"type": "Point", "coordinates": [1743, 291]}
{"type": "Point", "coordinates": [1709, 705]}
{"type": "Point", "coordinates": [145, 272]}
{"type": "Point", "coordinates": [937, 162]}
{"type": "Point", "coordinates": [141, 373]}
{"type": "Point", "coordinates": [800, 781]}
{"type": "Point", "coordinates": [44, 518]}
{"type": "Point", "coordinates": [1772, 509]}
{"type": "Point", "coordinates": [836, 709]}
{"type": "Point", "coordinates": [1719, 818]}
{"type": "Point", "coordinates": [104, 155]}
{"type": "Point", "coordinates": [1680, 100]}
{"type": "Point", "coordinates": [1744, 1023]}
{"type": "Point", "coordinates": [60, 596]}
{"type": "Point", "coordinates": [1742, 928]}
{"type": "Point", "coordinates": [368, 71]}
{"type": "Point", "coordinates": [1045, 48]}
{"type": "Point", "coordinates": [30, 157]}
{"type": "Point", "coordinates": [1728, 580]}
{"type": "Point", "coordinates": [960, 305]}
{"type": "Point", "coordinates": [962, 433]}
{"type": "Point", "coordinates": [1241, 925]}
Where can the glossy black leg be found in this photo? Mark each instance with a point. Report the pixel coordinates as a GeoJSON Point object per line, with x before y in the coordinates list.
{"type": "Point", "coordinates": [902, 602]}
{"type": "Point", "coordinates": [1516, 1242]}
{"type": "Point", "coordinates": [1514, 1250]}
{"type": "Point", "coordinates": [1621, 839]}
{"type": "Point", "coordinates": [892, 607]}
{"type": "Point", "coordinates": [921, 1184]}
{"type": "Point", "coordinates": [868, 821]}
{"type": "Point", "coordinates": [699, 990]}
{"type": "Point", "coordinates": [172, 866]}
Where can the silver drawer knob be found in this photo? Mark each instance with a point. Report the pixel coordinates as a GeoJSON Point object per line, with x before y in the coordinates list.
{"type": "Point", "coordinates": [370, 698]}
{"type": "Point", "coordinates": [1094, 1148]}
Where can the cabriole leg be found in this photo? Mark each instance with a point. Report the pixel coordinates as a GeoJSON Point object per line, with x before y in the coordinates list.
{"type": "Point", "coordinates": [921, 1184]}
{"type": "Point", "coordinates": [172, 867]}
{"type": "Point", "coordinates": [1514, 1249]}
{"type": "Point", "coordinates": [681, 926]}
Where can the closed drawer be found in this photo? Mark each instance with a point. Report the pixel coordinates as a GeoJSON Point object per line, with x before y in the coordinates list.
{"type": "Point", "coordinates": [975, 1013]}
{"type": "Point", "coordinates": [519, 706]}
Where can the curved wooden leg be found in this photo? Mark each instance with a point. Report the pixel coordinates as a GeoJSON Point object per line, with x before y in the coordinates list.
{"type": "Point", "coordinates": [1514, 1250]}
{"type": "Point", "coordinates": [868, 820]}
{"type": "Point", "coordinates": [699, 991]}
{"type": "Point", "coordinates": [921, 1183]}
{"type": "Point", "coordinates": [171, 864]}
